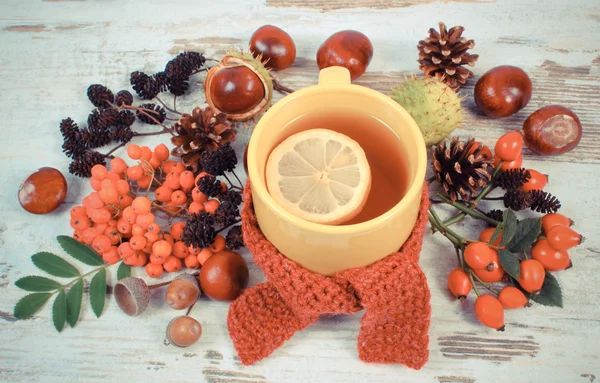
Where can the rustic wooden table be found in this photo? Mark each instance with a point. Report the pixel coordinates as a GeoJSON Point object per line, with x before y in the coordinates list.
{"type": "Point", "coordinates": [51, 50]}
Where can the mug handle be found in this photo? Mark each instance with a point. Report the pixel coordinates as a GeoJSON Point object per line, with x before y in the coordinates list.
{"type": "Point", "coordinates": [335, 75]}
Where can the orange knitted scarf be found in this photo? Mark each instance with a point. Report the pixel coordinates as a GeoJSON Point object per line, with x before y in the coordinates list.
{"type": "Point", "coordinates": [393, 291]}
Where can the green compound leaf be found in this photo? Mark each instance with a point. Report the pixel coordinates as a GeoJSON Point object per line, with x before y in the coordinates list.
{"type": "Point", "coordinates": [37, 283]}
{"type": "Point", "coordinates": [79, 251]}
{"type": "Point", "coordinates": [510, 263]}
{"type": "Point", "coordinates": [98, 292]}
{"type": "Point", "coordinates": [550, 294]}
{"type": "Point", "coordinates": [54, 265]}
{"type": "Point", "coordinates": [123, 271]}
{"type": "Point", "coordinates": [525, 235]}
{"type": "Point", "coordinates": [59, 310]}
{"type": "Point", "coordinates": [509, 226]}
{"type": "Point", "coordinates": [74, 298]}
{"type": "Point", "coordinates": [30, 304]}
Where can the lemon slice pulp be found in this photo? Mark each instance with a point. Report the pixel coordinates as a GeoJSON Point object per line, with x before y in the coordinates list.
{"type": "Point", "coordinates": [320, 176]}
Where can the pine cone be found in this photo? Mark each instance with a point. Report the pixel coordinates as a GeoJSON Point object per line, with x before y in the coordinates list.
{"type": "Point", "coordinates": [513, 178]}
{"type": "Point", "coordinates": [126, 118]}
{"type": "Point", "coordinates": [209, 185]}
{"type": "Point", "coordinates": [198, 231]}
{"type": "Point", "coordinates": [544, 202]}
{"type": "Point", "coordinates": [68, 129]}
{"type": "Point", "coordinates": [231, 196]}
{"type": "Point", "coordinates": [496, 215]}
{"type": "Point", "coordinates": [234, 239]}
{"type": "Point", "coordinates": [518, 199]}
{"type": "Point", "coordinates": [82, 165]}
{"type": "Point", "coordinates": [462, 168]}
{"type": "Point", "coordinates": [184, 64]}
{"type": "Point", "coordinates": [148, 87]}
{"type": "Point", "coordinates": [121, 134]}
{"type": "Point", "coordinates": [226, 214]}
{"type": "Point", "coordinates": [219, 161]}
{"type": "Point", "coordinates": [159, 114]}
{"type": "Point", "coordinates": [123, 97]}
{"type": "Point", "coordinates": [101, 120]}
{"type": "Point", "coordinates": [100, 95]}
{"type": "Point", "coordinates": [443, 54]}
{"type": "Point", "coordinates": [200, 131]}
{"type": "Point", "coordinates": [92, 139]}
{"type": "Point", "coordinates": [178, 86]}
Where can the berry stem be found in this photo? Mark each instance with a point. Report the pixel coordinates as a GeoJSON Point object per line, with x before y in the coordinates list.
{"type": "Point", "coordinates": [190, 308]}
{"type": "Point", "coordinates": [525, 254]}
{"type": "Point", "coordinates": [483, 283]}
{"type": "Point", "coordinates": [115, 149]}
{"type": "Point", "coordinates": [492, 198]}
{"type": "Point", "coordinates": [228, 226]}
{"type": "Point", "coordinates": [166, 106]}
{"type": "Point", "coordinates": [455, 238]}
{"type": "Point", "coordinates": [460, 262]}
{"type": "Point", "coordinates": [238, 179]}
{"type": "Point", "coordinates": [468, 211]}
{"type": "Point", "coordinates": [470, 274]}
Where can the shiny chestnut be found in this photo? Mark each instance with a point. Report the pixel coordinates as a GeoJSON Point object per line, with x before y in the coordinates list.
{"type": "Point", "coordinates": [274, 46]}
{"type": "Point", "coordinates": [502, 91]}
{"type": "Point", "coordinates": [224, 275]}
{"type": "Point", "coordinates": [552, 130]}
{"type": "Point", "coordinates": [43, 191]}
{"type": "Point", "coordinates": [350, 49]}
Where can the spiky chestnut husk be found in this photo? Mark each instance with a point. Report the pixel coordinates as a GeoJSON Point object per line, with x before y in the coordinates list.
{"type": "Point", "coordinates": [236, 59]}
{"type": "Point", "coordinates": [434, 106]}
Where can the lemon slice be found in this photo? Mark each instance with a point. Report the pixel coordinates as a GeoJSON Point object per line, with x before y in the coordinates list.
{"type": "Point", "coordinates": [320, 176]}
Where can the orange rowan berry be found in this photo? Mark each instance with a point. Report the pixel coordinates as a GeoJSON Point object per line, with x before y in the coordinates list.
{"type": "Point", "coordinates": [122, 187]}
{"type": "Point", "coordinates": [198, 196]}
{"type": "Point", "coordinates": [168, 166]}
{"type": "Point", "coordinates": [137, 242]}
{"type": "Point", "coordinates": [123, 226]}
{"type": "Point", "coordinates": [77, 235]}
{"type": "Point", "coordinates": [490, 312]}
{"type": "Point", "coordinates": [125, 250]}
{"type": "Point", "coordinates": [180, 250]}
{"type": "Point", "coordinates": [151, 237]}
{"type": "Point", "coordinates": [113, 176]}
{"type": "Point", "coordinates": [479, 255]}
{"type": "Point", "coordinates": [154, 161]}
{"type": "Point", "coordinates": [486, 236]}
{"type": "Point", "coordinates": [80, 223]}
{"type": "Point", "coordinates": [108, 183]}
{"type": "Point", "coordinates": [139, 259]}
{"type": "Point", "coordinates": [172, 181]}
{"type": "Point", "coordinates": [118, 166]}
{"type": "Point", "coordinates": [459, 283]}
{"type": "Point", "coordinates": [113, 234]}
{"type": "Point", "coordinates": [144, 182]}
{"type": "Point", "coordinates": [191, 261]}
{"type": "Point", "coordinates": [163, 193]}
{"type": "Point", "coordinates": [162, 248]}
{"type": "Point", "coordinates": [111, 256]}
{"type": "Point", "coordinates": [134, 151]}
{"type": "Point", "coordinates": [177, 230]}
{"type": "Point", "coordinates": [218, 244]}
{"type": "Point", "coordinates": [532, 276]}
{"type": "Point", "coordinates": [153, 228]}
{"type": "Point", "coordinates": [129, 215]}
{"type": "Point", "coordinates": [563, 238]}
{"type": "Point", "coordinates": [113, 223]}
{"type": "Point", "coordinates": [148, 248]}
{"type": "Point", "coordinates": [552, 260]}
{"type": "Point", "coordinates": [125, 200]}
{"type": "Point", "coordinates": [96, 184]}
{"type": "Point", "coordinates": [509, 146]}
{"type": "Point", "coordinates": [88, 235]}
{"type": "Point", "coordinates": [512, 298]}
{"type": "Point", "coordinates": [101, 243]}
{"type": "Point", "coordinates": [101, 215]}
{"type": "Point", "coordinates": [178, 197]}
{"type": "Point", "coordinates": [156, 259]}
{"type": "Point", "coordinates": [162, 152]}
{"type": "Point", "coordinates": [195, 207]}
{"type": "Point", "coordinates": [199, 176]}
{"type": "Point", "coordinates": [100, 227]}
{"type": "Point", "coordinates": [172, 264]}
{"type": "Point", "coordinates": [186, 180]}
{"type": "Point", "coordinates": [178, 167]}
{"type": "Point", "coordinates": [109, 195]}
{"type": "Point", "coordinates": [204, 254]}
{"type": "Point", "coordinates": [92, 201]}
{"type": "Point", "coordinates": [193, 250]}
{"type": "Point", "coordinates": [537, 181]}
{"type": "Point", "coordinates": [99, 171]}
{"type": "Point", "coordinates": [129, 260]}
{"type": "Point", "coordinates": [555, 219]}
{"type": "Point", "coordinates": [141, 205]}
{"type": "Point", "coordinates": [135, 172]}
{"type": "Point", "coordinates": [169, 238]}
{"type": "Point", "coordinates": [145, 220]}
{"type": "Point", "coordinates": [211, 206]}
{"type": "Point", "coordinates": [153, 270]}
{"type": "Point", "coordinates": [223, 186]}
{"type": "Point", "coordinates": [146, 153]}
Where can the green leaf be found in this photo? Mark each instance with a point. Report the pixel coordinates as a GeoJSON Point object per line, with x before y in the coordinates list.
{"type": "Point", "coordinates": [79, 251]}
{"type": "Point", "coordinates": [30, 304]}
{"type": "Point", "coordinates": [550, 294]}
{"type": "Point", "coordinates": [54, 265]}
{"type": "Point", "coordinates": [509, 226]}
{"type": "Point", "coordinates": [36, 283]}
{"type": "Point", "coordinates": [526, 234]}
{"type": "Point", "coordinates": [510, 263]}
{"type": "Point", "coordinates": [59, 310]}
{"type": "Point", "coordinates": [496, 233]}
{"type": "Point", "coordinates": [74, 302]}
{"type": "Point", "coordinates": [98, 292]}
{"type": "Point", "coordinates": [123, 271]}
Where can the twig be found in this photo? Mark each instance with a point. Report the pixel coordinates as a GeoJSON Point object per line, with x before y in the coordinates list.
{"type": "Point", "coordinates": [280, 88]}
{"type": "Point", "coordinates": [115, 149]}
{"type": "Point", "coordinates": [167, 107]}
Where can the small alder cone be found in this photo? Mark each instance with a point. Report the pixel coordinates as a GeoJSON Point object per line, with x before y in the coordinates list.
{"type": "Point", "coordinates": [239, 86]}
{"type": "Point", "coordinates": [443, 54]}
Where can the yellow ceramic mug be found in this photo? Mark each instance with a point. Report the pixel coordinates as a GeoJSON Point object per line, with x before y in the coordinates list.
{"type": "Point", "coordinates": [328, 249]}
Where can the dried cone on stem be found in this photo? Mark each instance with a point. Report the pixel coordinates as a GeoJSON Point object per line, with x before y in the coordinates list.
{"type": "Point", "coordinates": [200, 131]}
{"type": "Point", "coordinates": [462, 168]}
{"type": "Point", "coordinates": [443, 54]}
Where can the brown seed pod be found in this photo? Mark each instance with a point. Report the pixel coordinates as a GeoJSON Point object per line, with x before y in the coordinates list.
{"type": "Point", "coordinates": [238, 86]}
{"type": "Point", "coordinates": [552, 130]}
{"type": "Point", "coordinates": [43, 191]}
{"type": "Point", "coordinates": [132, 295]}
{"type": "Point", "coordinates": [183, 331]}
{"type": "Point", "coordinates": [182, 292]}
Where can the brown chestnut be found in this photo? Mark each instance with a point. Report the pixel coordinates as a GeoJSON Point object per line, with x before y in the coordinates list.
{"type": "Point", "coordinates": [43, 191]}
{"type": "Point", "coordinates": [224, 275]}
{"type": "Point", "coordinates": [502, 91]}
{"type": "Point", "coordinates": [350, 49]}
{"type": "Point", "coordinates": [183, 331]}
{"type": "Point", "coordinates": [182, 292]}
{"type": "Point", "coordinates": [552, 130]}
{"type": "Point", "coordinates": [274, 45]}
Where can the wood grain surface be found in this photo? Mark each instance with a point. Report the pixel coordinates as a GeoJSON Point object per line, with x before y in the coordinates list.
{"type": "Point", "coordinates": [50, 51]}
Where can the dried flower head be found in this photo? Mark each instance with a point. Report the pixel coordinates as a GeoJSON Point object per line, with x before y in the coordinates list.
{"type": "Point", "coordinates": [219, 161]}
{"type": "Point", "coordinates": [234, 239]}
{"type": "Point", "coordinates": [199, 231]}
{"type": "Point", "coordinates": [209, 185]}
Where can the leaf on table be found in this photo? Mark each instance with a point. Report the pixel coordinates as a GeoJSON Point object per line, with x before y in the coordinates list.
{"type": "Point", "coordinates": [54, 265]}
{"type": "Point", "coordinates": [123, 271]}
{"type": "Point", "coordinates": [37, 283]}
{"type": "Point", "coordinates": [98, 292]}
{"type": "Point", "coordinates": [79, 251]}
{"type": "Point", "coordinates": [510, 263]}
{"type": "Point", "coordinates": [550, 294]}
{"type": "Point", "coordinates": [526, 234]}
{"type": "Point", "coordinates": [74, 298]}
{"type": "Point", "coordinates": [30, 304]}
{"type": "Point", "coordinates": [59, 310]}
{"type": "Point", "coordinates": [509, 226]}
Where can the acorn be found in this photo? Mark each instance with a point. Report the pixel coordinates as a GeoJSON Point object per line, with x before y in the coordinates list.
{"type": "Point", "coordinates": [182, 292]}
{"type": "Point", "coordinates": [239, 86]}
{"type": "Point", "coordinates": [132, 295]}
{"type": "Point", "coordinates": [183, 331]}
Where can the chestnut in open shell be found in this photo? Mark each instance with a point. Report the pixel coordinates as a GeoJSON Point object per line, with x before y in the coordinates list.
{"type": "Point", "coordinates": [224, 276]}
{"type": "Point", "coordinates": [238, 86]}
{"type": "Point", "coordinates": [43, 191]}
{"type": "Point", "coordinates": [273, 46]}
{"type": "Point", "coordinates": [552, 130]}
{"type": "Point", "coordinates": [350, 49]}
{"type": "Point", "coordinates": [502, 91]}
